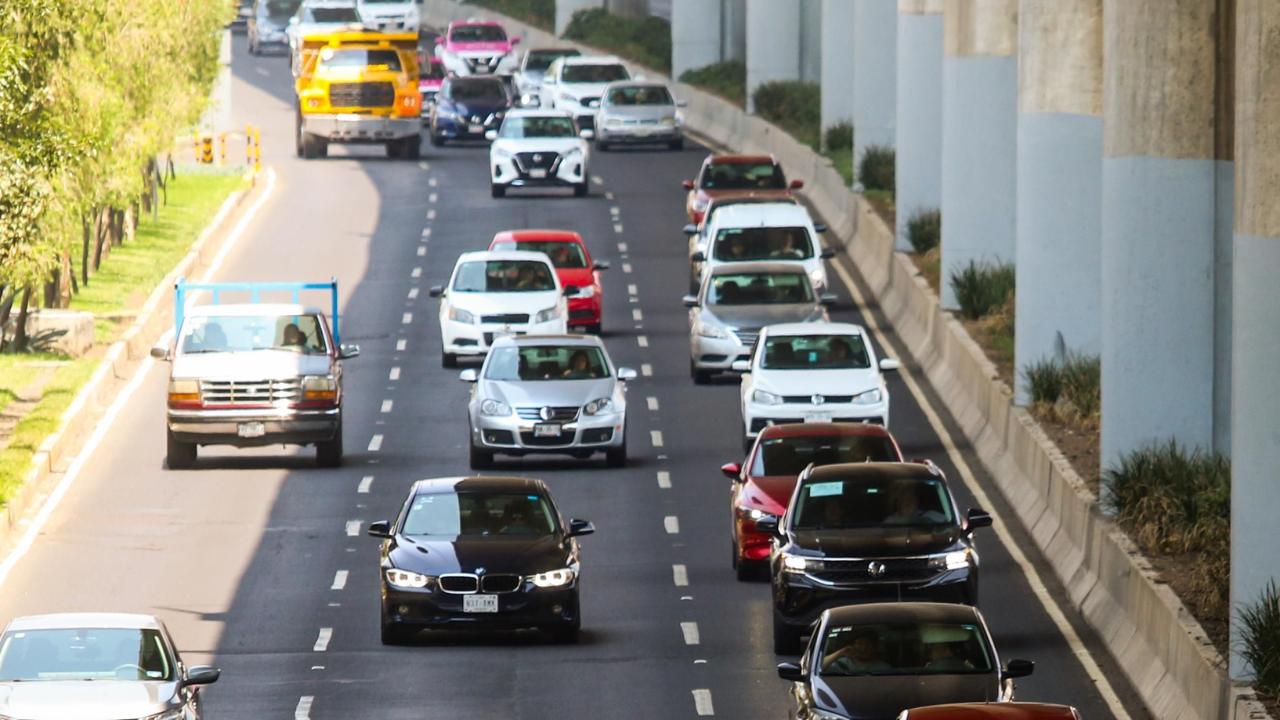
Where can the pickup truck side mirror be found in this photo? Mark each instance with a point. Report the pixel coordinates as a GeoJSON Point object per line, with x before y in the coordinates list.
{"type": "Point", "coordinates": [380, 529]}
{"type": "Point", "coordinates": [346, 352]}
{"type": "Point", "coordinates": [162, 352]}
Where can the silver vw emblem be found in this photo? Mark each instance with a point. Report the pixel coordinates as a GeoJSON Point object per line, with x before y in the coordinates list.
{"type": "Point", "coordinates": [817, 399]}
{"type": "Point", "coordinates": [546, 413]}
{"type": "Point", "coordinates": [537, 157]}
{"type": "Point", "coordinates": [875, 569]}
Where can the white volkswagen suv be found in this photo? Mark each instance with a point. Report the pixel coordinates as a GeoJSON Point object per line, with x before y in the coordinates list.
{"type": "Point", "coordinates": [538, 148]}
{"type": "Point", "coordinates": [575, 84]}
{"type": "Point", "coordinates": [812, 372]}
{"type": "Point", "coordinates": [494, 294]}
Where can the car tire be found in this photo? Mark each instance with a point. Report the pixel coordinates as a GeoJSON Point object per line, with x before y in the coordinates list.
{"type": "Point", "coordinates": [580, 190]}
{"type": "Point", "coordinates": [314, 147]}
{"type": "Point", "coordinates": [298, 133]}
{"type": "Point", "coordinates": [700, 377]}
{"type": "Point", "coordinates": [746, 572]}
{"type": "Point", "coordinates": [617, 457]}
{"type": "Point", "coordinates": [448, 360]}
{"type": "Point", "coordinates": [602, 146]}
{"type": "Point", "coordinates": [413, 147]}
{"type": "Point", "coordinates": [480, 460]}
{"type": "Point", "coordinates": [393, 636]}
{"type": "Point", "coordinates": [436, 140]}
{"type": "Point", "coordinates": [180, 455]}
{"type": "Point", "coordinates": [329, 452]}
{"type": "Point", "coordinates": [676, 145]}
{"type": "Point", "coordinates": [395, 149]}
{"type": "Point", "coordinates": [785, 640]}
{"type": "Point", "coordinates": [497, 190]}
{"type": "Point", "coordinates": [594, 329]}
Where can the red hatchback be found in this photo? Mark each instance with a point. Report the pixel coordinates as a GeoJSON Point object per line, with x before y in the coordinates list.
{"type": "Point", "coordinates": [758, 175]}
{"type": "Point", "coordinates": [573, 266]}
{"type": "Point", "coordinates": [763, 485]}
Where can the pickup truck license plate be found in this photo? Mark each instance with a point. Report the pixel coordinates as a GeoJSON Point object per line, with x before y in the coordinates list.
{"type": "Point", "coordinates": [251, 430]}
{"type": "Point", "coordinates": [817, 417]}
{"type": "Point", "coordinates": [545, 430]}
{"type": "Point", "coordinates": [537, 173]}
{"type": "Point", "coordinates": [480, 603]}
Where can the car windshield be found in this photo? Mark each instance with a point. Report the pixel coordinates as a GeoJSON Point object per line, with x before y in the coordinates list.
{"type": "Point", "coordinates": [85, 654]}
{"type": "Point", "coordinates": [640, 95]}
{"type": "Point", "coordinates": [815, 352]}
{"type": "Point", "coordinates": [371, 60]}
{"type": "Point", "coordinates": [538, 60]}
{"type": "Point", "coordinates": [237, 333]}
{"type": "Point", "coordinates": [564, 255]}
{"type": "Point", "coordinates": [546, 362]}
{"type": "Point", "coordinates": [504, 276]}
{"type": "Point", "coordinates": [791, 455]}
{"type": "Point", "coordinates": [743, 176]}
{"type": "Point", "coordinates": [905, 649]}
{"type": "Point", "coordinates": [872, 502]}
{"type": "Point", "coordinates": [333, 15]}
{"type": "Point", "coordinates": [538, 127]}
{"type": "Point", "coordinates": [594, 73]}
{"type": "Point", "coordinates": [476, 89]}
{"type": "Point", "coordinates": [763, 243]}
{"type": "Point", "coordinates": [760, 289]}
{"type": "Point", "coordinates": [477, 513]}
{"type": "Point", "coordinates": [477, 33]}
{"type": "Point", "coordinates": [278, 10]}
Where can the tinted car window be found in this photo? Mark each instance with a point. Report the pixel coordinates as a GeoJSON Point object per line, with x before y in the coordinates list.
{"type": "Point", "coordinates": [476, 89]}
{"type": "Point", "coordinates": [594, 74]}
{"type": "Point", "coordinates": [760, 289]}
{"type": "Point", "coordinates": [791, 455]}
{"type": "Point", "coordinates": [85, 654]}
{"type": "Point", "coordinates": [815, 352]}
{"type": "Point", "coordinates": [905, 649]}
{"type": "Point", "coordinates": [332, 15]}
{"type": "Point", "coordinates": [476, 513]}
{"type": "Point", "coordinates": [478, 33]}
{"type": "Point", "coordinates": [743, 176]}
{"type": "Point", "coordinates": [534, 127]}
{"type": "Point", "coordinates": [546, 362]}
{"type": "Point", "coordinates": [278, 10]}
{"type": "Point", "coordinates": [564, 255]}
{"type": "Point", "coordinates": [504, 276]}
{"type": "Point", "coordinates": [763, 243]}
{"type": "Point", "coordinates": [360, 58]}
{"type": "Point", "coordinates": [239, 333]}
{"type": "Point", "coordinates": [862, 503]}
{"type": "Point", "coordinates": [640, 95]}
{"type": "Point", "coordinates": [542, 59]}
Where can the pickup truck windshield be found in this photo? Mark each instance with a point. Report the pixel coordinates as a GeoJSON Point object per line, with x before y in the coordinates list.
{"type": "Point", "coordinates": [241, 333]}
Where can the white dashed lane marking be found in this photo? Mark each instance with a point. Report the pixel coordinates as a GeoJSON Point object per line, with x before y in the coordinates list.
{"type": "Point", "coordinates": [615, 210]}
{"type": "Point", "coordinates": [702, 702]}
{"type": "Point", "coordinates": [664, 479]}
{"type": "Point", "coordinates": [401, 344]}
{"type": "Point", "coordinates": [431, 214]}
{"type": "Point", "coordinates": [375, 444]}
{"type": "Point", "coordinates": [395, 373]}
{"type": "Point", "coordinates": [406, 318]}
{"type": "Point", "coordinates": [431, 182]}
{"type": "Point", "coordinates": [353, 528]}
{"type": "Point", "coordinates": [597, 179]}
{"type": "Point", "coordinates": [424, 165]}
{"type": "Point", "coordinates": [690, 630]}
{"type": "Point", "coordinates": [632, 290]}
{"type": "Point", "coordinates": [417, 272]}
{"type": "Point", "coordinates": [653, 403]}
{"type": "Point", "coordinates": [636, 314]}
{"type": "Point", "coordinates": [426, 233]}
{"type": "Point", "coordinates": [617, 227]}
{"type": "Point", "coordinates": [433, 197]}
{"type": "Point", "coordinates": [365, 483]}
{"type": "Point", "coordinates": [672, 524]}
{"type": "Point", "coordinates": [386, 405]}
{"type": "Point", "coordinates": [622, 247]}
{"type": "Point", "coordinates": [626, 267]}
{"type": "Point", "coordinates": [340, 580]}
{"type": "Point", "coordinates": [642, 340]}
{"type": "Point", "coordinates": [646, 369]}
{"type": "Point", "coordinates": [303, 711]}
{"type": "Point", "coordinates": [679, 573]}
{"type": "Point", "coordinates": [413, 293]}
{"type": "Point", "coordinates": [608, 196]}
{"type": "Point", "coordinates": [656, 437]}
{"type": "Point", "coordinates": [422, 250]}
{"type": "Point", "coordinates": [322, 640]}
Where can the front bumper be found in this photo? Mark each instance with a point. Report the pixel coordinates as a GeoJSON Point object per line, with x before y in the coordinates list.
{"type": "Point", "coordinates": [799, 599]}
{"type": "Point", "coordinates": [455, 127]}
{"type": "Point", "coordinates": [716, 354]}
{"type": "Point", "coordinates": [344, 128]}
{"type": "Point", "coordinates": [757, 416]}
{"type": "Point", "coordinates": [515, 436]}
{"type": "Point", "coordinates": [281, 426]}
{"type": "Point", "coordinates": [569, 169]}
{"type": "Point", "coordinates": [527, 607]}
{"type": "Point", "coordinates": [469, 339]}
{"type": "Point", "coordinates": [639, 133]}
{"type": "Point", "coordinates": [584, 311]}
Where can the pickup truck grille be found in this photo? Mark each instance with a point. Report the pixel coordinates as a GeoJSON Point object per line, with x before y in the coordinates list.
{"type": "Point", "coordinates": [250, 392]}
{"type": "Point", "coordinates": [362, 94]}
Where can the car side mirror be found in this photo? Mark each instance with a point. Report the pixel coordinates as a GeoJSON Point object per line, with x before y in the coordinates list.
{"type": "Point", "coordinates": [687, 184]}
{"type": "Point", "coordinates": [439, 39]}
{"type": "Point", "coordinates": [741, 366]}
{"type": "Point", "coordinates": [600, 265]}
{"type": "Point", "coordinates": [1017, 669]}
{"type": "Point", "coordinates": [515, 41]}
{"type": "Point", "coordinates": [469, 375]}
{"type": "Point", "coordinates": [828, 299]}
{"type": "Point", "coordinates": [790, 671]}
{"type": "Point", "coordinates": [797, 184]}
{"type": "Point", "coordinates": [819, 227]}
{"type": "Point", "coordinates": [888, 364]}
{"type": "Point", "coordinates": [570, 290]}
{"type": "Point", "coordinates": [578, 528]}
{"type": "Point", "coordinates": [586, 134]}
{"type": "Point", "coordinates": [732, 470]}
{"type": "Point", "coordinates": [379, 529]}
{"type": "Point", "coordinates": [162, 352]}
{"type": "Point", "coordinates": [698, 256]}
{"type": "Point", "coordinates": [626, 373]}
{"type": "Point", "coordinates": [346, 352]}
{"type": "Point", "coordinates": [977, 518]}
{"type": "Point", "coordinates": [490, 135]}
{"type": "Point", "coordinates": [202, 675]}
{"type": "Point", "coordinates": [436, 291]}
{"type": "Point", "coordinates": [767, 525]}
{"type": "Point", "coordinates": [690, 300]}
{"type": "Point", "coordinates": [682, 103]}
{"type": "Point", "coordinates": [827, 253]}
{"type": "Point", "coordinates": [691, 229]}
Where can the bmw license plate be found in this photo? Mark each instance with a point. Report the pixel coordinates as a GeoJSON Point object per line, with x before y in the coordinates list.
{"type": "Point", "coordinates": [537, 173]}
{"type": "Point", "coordinates": [251, 430]}
{"type": "Point", "coordinates": [480, 603]}
{"type": "Point", "coordinates": [546, 430]}
{"type": "Point", "coordinates": [817, 417]}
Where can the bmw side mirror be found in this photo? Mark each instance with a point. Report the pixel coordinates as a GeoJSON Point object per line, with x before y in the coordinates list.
{"type": "Point", "coordinates": [490, 135]}
{"type": "Point", "coordinates": [469, 375]}
{"type": "Point", "coordinates": [699, 256]}
{"type": "Point", "coordinates": [819, 227]}
{"type": "Point", "coordinates": [600, 265]}
{"type": "Point", "coordinates": [797, 184]}
{"type": "Point", "coordinates": [690, 300]}
{"type": "Point", "coordinates": [1017, 669]}
{"type": "Point", "coordinates": [346, 352]}
{"type": "Point", "coordinates": [202, 675]}
{"type": "Point", "coordinates": [741, 366]}
{"type": "Point", "coordinates": [691, 229]}
{"type": "Point", "coordinates": [586, 134]}
{"type": "Point", "coordinates": [977, 518]}
{"type": "Point", "coordinates": [625, 373]}
{"type": "Point", "coordinates": [768, 525]}
{"type": "Point", "coordinates": [828, 299]}
{"type": "Point", "coordinates": [578, 528]}
{"type": "Point", "coordinates": [827, 253]}
{"type": "Point", "coordinates": [570, 290]}
{"type": "Point", "coordinates": [790, 671]}
{"type": "Point", "coordinates": [436, 291]}
{"type": "Point", "coordinates": [380, 529]}
{"type": "Point", "coordinates": [687, 184]}
{"type": "Point", "coordinates": [889, 364]}
{"type": "Point", "coordinates": [733, 471]}
{"type": "Point", "coordinates": [161, 352]}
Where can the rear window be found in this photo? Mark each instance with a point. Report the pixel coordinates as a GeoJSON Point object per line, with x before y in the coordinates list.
{"type": "Point", "coordinates": [504, 276]}
{"type": "Point", "coordinates": [360, 58]}
{"type": "Point", "coordinates": [763, 243]}
{"type": "Point", "coordinates": [791, 455]}
{"type": "Point", "coordinates": [815, 352]}
{"type": "Point", "coordinates": [594, 73]}
{"type": "Point", "coordinates": [333, 15]}
{"type": "Point", "coordinates": [760, 289]}
{"type": "Point", "coordinates": [564, 255]}
{"type": "Point", "coordinates": [478, 33]}
{"type": "Point", "coordinates": [743, 176]}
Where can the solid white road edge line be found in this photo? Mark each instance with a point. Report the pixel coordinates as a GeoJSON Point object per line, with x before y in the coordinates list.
{"type": "Point", "coordinates": [702, 702]}
{"type": "Point", "coordinates": [339, 580]}
{"type": "Point", "coordinates": [966, 474]}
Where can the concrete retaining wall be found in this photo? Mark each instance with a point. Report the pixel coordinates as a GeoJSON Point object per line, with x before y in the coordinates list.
{"type": "Point", "coordinates": [1160, 647]}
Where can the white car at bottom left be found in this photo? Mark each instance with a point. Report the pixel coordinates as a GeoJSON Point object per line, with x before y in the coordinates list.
{"type": "Point", "coordinates": [495, 294]}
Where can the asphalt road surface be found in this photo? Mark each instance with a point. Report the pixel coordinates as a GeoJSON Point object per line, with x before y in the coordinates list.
{"type": "Point", "coordinates": [258, 561]}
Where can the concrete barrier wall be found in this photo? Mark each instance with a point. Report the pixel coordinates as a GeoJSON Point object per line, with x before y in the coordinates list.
{"type": "Point", "coordinates": [1158, 644]}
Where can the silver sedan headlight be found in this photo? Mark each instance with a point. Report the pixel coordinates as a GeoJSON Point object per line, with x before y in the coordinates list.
{"type": "Point", "coordinates": [712, 331]}
{"type": "Point", "coordinates": [494, 408]}
{"type": "Point", "coordinates": [595, 407]}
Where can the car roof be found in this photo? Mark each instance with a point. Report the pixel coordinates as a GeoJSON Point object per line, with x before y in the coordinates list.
{"type": "Point", "coordinates": [249, 309]}
{"type": "Point", "coordinates": [57, 621]}
{"type": "Point", "coordinates": [574, 340]}
{"type": "Point", "coordinates": [519, 236]}
{"type": "Point", "coordinates": [762, 215]}
{"type": "Point", "coordinates": [891, 612]}
{"type": "Point", "coordinates": [483, 255]}
{"type": "Point", "coordinates": [591, 60]}
{"type": "Point", "coordinates": [436, 486]}
{"type": "Point", "coordinates": [537, 112]}
{"type": "Point", "coordinates": [821, 328]}
{"type": "Point", "coordinates": [995, 711]}
{"type": "Point", "coordinates": [741, 159]}
{"type": "Point", "coordinates": [473, 21]}
{"type": "Point", "coordinates": [757, 266]}
{"type": "Point", "coordinates": [811, 429]}
{"type": "Point", "coordinates": [874, 471]}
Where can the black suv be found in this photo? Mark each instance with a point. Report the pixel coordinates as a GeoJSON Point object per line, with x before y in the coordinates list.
{"type": "Point", "coordinates": [868, 532]}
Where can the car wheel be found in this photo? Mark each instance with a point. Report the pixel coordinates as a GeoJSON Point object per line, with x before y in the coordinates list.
{"type": "Point", "coordinates": [298, 134]}
{"type": "Point", "coordinates": [480, 460]}
{"type": "Point", "coordinates": [785, 640]}
{"type": "Point", "coordinates": [617, 457]}
{"type": "Point", "coordinates": [497, 190]}
{"type": "Point", "coordinates": [677, 144]}
{"type": "Point", "coordinates": [448, 360]}
{"type": "Point", "coordinates": [436, 140]}
{"type": "Point", "coordinates": [329, 453]}
{"type": "Point", "coordinates": [395, 149]}
{"type": "Point", "coordinates": [181, 456]}
{"type": "Point", "coordinates": [593, 329]}
{"type": "Point", "coordinates": [413, 147]}
{"type": "Point", "coordinates": [580, 190]}
{"type": "Point", "coordinates": [745, 571]}
{"type": "Point", "coordinates": [313, 147]}
{"type": "Point", "coordinates": [700, 377]}
{"type": "Point", "coordinates": [735, 561]}
{"type": "Point", "coordinates": [602, 146]}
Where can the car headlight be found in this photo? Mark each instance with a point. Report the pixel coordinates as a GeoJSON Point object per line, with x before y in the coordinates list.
{"type": "Point", "coordinates": [822, 715]}
{"type": "Point", "coordinates": [553, 578]}
{"type": "Point", "coordinates": [405, 579]}
{"type": "Point", "coordinates": [502, 153]}
{"type": "Point", "coordinates": [528, 98]}
{"type": "Point", "coordinates": [766, 398]}
{"type": "Point", "coordinates": [669, 120]}
{"type": "Point", "coordinates": [184, 390]}
{"type": "Point", "coordinates": [463, 316]}
{"type": "Point", "coordinates": [870, 397]}
{"type": "Point", "coordinates": [798, 564]}
{"type": "Point", "coordinates": [546, 315]}
{"type": "Point", "coordinates": [712, 331]}
{"type": "Point", "coordinates": [754, 513]}
{"type": "Point", "coordinates": [613, 121]}
{"type": "Point", "coordinates": [319, 387]}
{"type": "Point", "coordinates": [568, 98]}
{"type": "Point", "coordinates": [595, 407]}
{"type": "Point", "coordinates": [957, 560]}
{"type": "Point", "coordinates": [818, 276]}
{"type": "Point", "coordinates": [576, 150]}
{"type": "Point", "coordinates": [586, 291]}
{"type": "Point", "coordinates": [699, 205]}
{"type": "Point", "coordinates": [494, 408]}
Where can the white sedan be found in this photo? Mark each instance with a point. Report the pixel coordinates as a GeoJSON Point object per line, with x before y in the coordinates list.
{"type": "Point", "coordinates": [495, 294]}
{"type": "Point", "coordinates": [812, 372]}
{"type": "Point", "coordinates": [538, 148]}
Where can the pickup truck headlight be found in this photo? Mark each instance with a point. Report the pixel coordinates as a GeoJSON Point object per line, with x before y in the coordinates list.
{"type": "Point", "coordinates": [405, 579]}
{"type": "Point", "coordinates": [712, 331]}
{"type": "Point", "coordinates": [546, 315]}
{"type": "Point", "coordinates": [595, 407]}
{"type": "Point", "coordinates": [553, 578]}
{"type": "Point", "coordinates": [765, 397]}
{"type": "Point", "coordinates": [957, 560]}
{"type": "Point", "coordinates": [798, 564]}
{"type": "Point", "coordinates": [463, 316]}
{"type": "Point", "coordinates": [319, 387]}
{"type": "Point", "coordinates": [184, 390]}
{"type": "Point", "coordinates": [870, 397]}
{"type": "Point", "coordinates": [494, 408]}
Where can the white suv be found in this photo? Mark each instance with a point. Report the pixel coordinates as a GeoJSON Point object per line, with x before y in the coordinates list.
{"type": "Point", "coordinates": [575, 84]}
{"type": "Point", "coordinates": [390, 15]}
{"type": "Point", "coordinates": [538, 148]}
{"type": "Point", "coordinates": [494, 294]}
{"type": "Point", "coordinates": [773, 232]}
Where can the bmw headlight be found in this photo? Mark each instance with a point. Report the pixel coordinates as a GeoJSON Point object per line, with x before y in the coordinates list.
{"type": "Point", "coordinates": [553, 578]}
{"type": "Point", "coordinates": [595, 407]}
{"type": "Point", "coordinates": [546, 315]}
{"type": "Point", "coordinates": [799, 564]}
{"type": "Point", "coordinates": [870, 397]}
{"type": "Point", "coordinates": [405, 579]}
{"type": "Point", "coordinates": [463, 316]}
{"type": "Point", "coordinates": [712, 331]}
{"type": "Point", "coordinates": [766, 398]}
{"type": "Point", "coordinates": [494, 408]}
{"type": "Point", "coordinates": [957, 560]}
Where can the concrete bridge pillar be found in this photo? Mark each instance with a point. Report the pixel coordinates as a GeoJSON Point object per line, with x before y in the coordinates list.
{"type": "Point", "coordinates": [875, 73]}
{"type": "Point", "coordinates": [695, 35]}
{"type": "Point", "coordinates": [1059, 197]}
{"type": "Point", "coordinates": [1166, 223]}
{"type": "Point", "coordinates": [979, 135]}
{"type": "Point", "coordinates": [773, 43]}
{"type": "Point", "coordinates": [566, 8]}
{"type": "Point", "coordinates": [838, 37]}
{"type": "Point", "coordinates": [919, 110]}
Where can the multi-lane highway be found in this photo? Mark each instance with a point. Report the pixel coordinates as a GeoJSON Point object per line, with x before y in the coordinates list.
{"type": "Point", "coordinates": [258, 561]}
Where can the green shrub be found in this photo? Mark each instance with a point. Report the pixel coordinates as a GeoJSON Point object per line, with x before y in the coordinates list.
{"type": "Point", "coordinates": [794, 106]}
{"type": "Point", "coordinates": [645, 40]}
{"type": "Point", "coordinates": [1044, 381]}
{"type": "Point", "coordinates": [727, 79]}
{"type": "Point", "coordinates": [1173, 501]}
{"type": "Point", "coordinates": [982, 287]}
{"type": "Point", "coordinates": [876, 169]}
{"type": "Point", "coordinates": [839, 137]}
{"type": "Point", "coordinates": [538, 13]}
{"type": "Point", "coordinates": [1260, 639]}
{"type": "Point", "coordinates": [924, 230]}
{"type": "Point", "coordinates": [1072, 385]}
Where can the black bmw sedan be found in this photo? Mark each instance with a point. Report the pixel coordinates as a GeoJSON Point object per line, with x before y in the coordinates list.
{"type": "Point", "coordinates": [479, 552]}
{"type": "Point", "coordinates": [871, 662]}
{"type": "Point", "coordinates": [868, 532]}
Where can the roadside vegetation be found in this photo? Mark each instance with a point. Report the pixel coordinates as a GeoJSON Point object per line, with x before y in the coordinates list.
{"type": "Point", "coordinates": [877, 174]}
{"type": "Point", "coordinates": [538, 13]}
{"type": "Point", "coordinates": [794, 106]}
{"type": "Point", "coordinates": [727, 79]}
{"type": "Point", "coordinates": [924, 233]}
{"type": "Point", "coordinates": [644, 40]}
{"type": "Point", "coordinates": [837, 144]}
{"type": "Point", "coordinates": [1260, 641]}
{"type": "Point", "coordinates": [985, 293]}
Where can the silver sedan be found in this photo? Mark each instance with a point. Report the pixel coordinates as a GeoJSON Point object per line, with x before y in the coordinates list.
{"type": "Point", "coordinates": [639, 112]}
{"type": "Point", "coordinates": [548, 394]}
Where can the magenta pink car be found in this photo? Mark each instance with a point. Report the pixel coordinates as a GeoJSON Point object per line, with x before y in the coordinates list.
{"type": "Point", "coordinates": [476, 47]}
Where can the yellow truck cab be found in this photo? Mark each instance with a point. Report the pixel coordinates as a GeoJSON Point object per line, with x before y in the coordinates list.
{"type": "Point", "coordinates": [358, 87]}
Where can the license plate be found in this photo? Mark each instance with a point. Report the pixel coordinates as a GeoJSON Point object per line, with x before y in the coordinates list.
{"type": "Point", "coordinates": [348, 117]}
{"type": "Point", "coordinates": [480, 603]}
{"type": "Point", "coordinates": [643, 130]}
{"type": "Point", "coordinates": [546, 430]}
{"type": "Point", "coordinates": [817, 417]}
{"type": "Point", "coordinates": [537, 173]}
{"type": "Point", "coordinates": [251, 430]}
